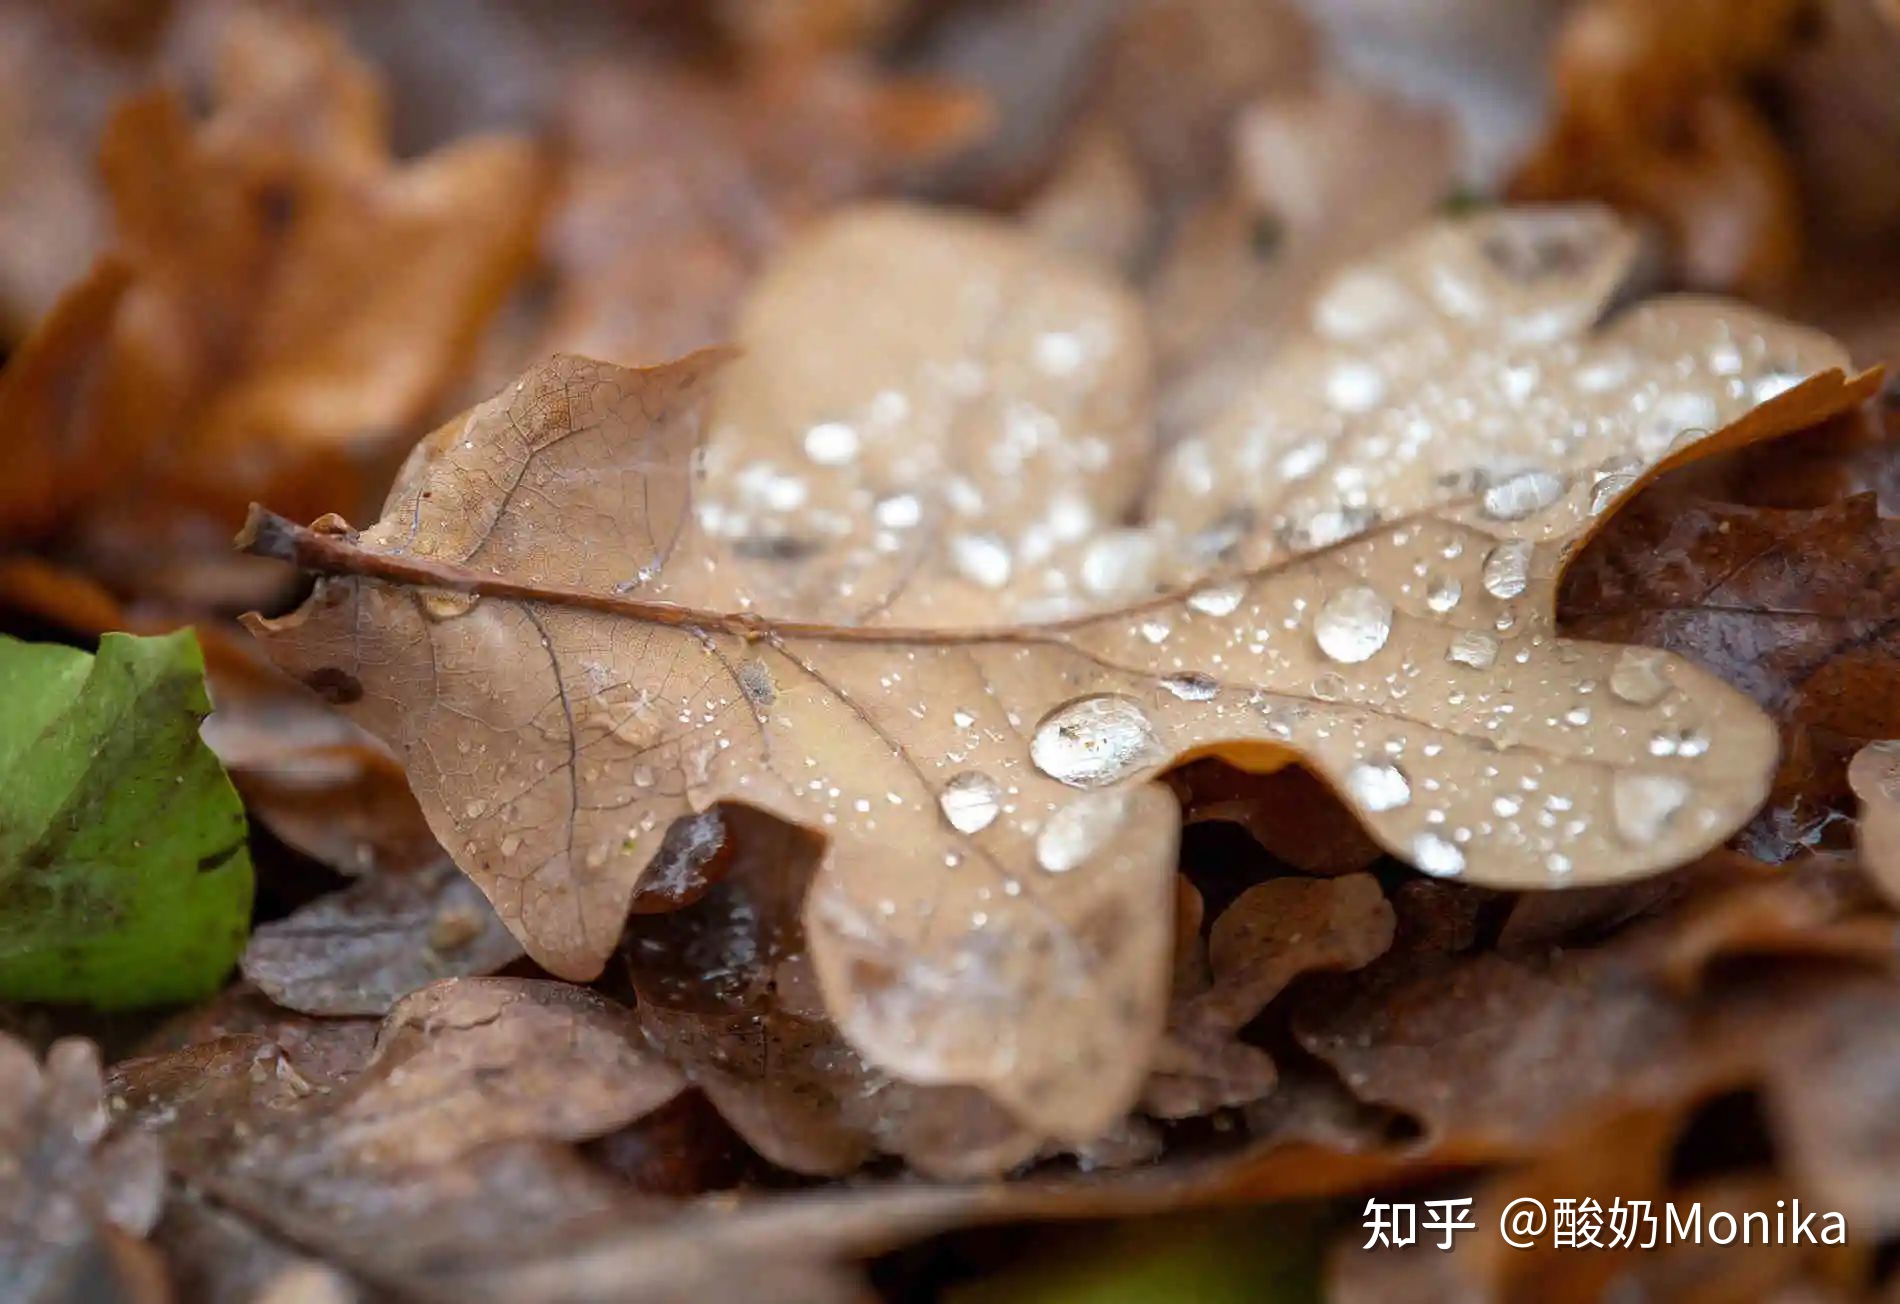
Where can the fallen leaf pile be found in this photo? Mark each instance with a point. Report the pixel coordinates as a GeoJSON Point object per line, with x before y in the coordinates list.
{"type": "Point", "coordinates": [995, 613]}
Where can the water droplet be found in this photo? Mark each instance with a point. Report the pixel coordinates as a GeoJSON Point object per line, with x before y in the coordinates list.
{"type": "Point", "coordinates": [1120, 563]}
{"type": "Point", "coordinates": [1218, 599]}
{"type": "Point", "coordinates": [1156, 630]}
{"type": "Point", "coordinates": [1353, 624]}
{"type": "Point", "coordinates": [982, 559]}
{"type": "Point", "coordinates": [1507, 568]}
{"type": "Point", "coordinates": [1774, 385]}
{"type": "Point", "coordinates": [1638, 676]}
{"type": "Point", "coordinates": [831, 443]}
{"type": "Point", "coordinates": [1354, 386]}
{"type": "Point", "coordinates": [1523, 494]}
{"type": "Point", "coordinates": [1093, 741]}
{"type": "Point", "coordinates": [475, 809]}
{"type": "Point", "coordinates": [1645, 803]}
{"type": "Point", "coordinates": [1435, 856]}
{"type": "Point", "coordinates": [1613, 479]}
{"type": "Point", "coordinates": [1078, 831]}
{"type": "Point", "coordinates": [1443, 595]}
{"type": "Point", "coordinates": [1473, 648]}
{"type": "Point", "coordinates": [1302, 459]}
{"type": "Point", "coordinates": [441, 604]}
{"type": "Point", "coordinates": [1361, 303]}
{"type": "Point", "coordinates": [1192, 686]}
{"type": "Point", "coordinates": [899, 511]}
{"type": "Point", "coordinates": [511, 844]}
{"type": "Point", "coordinates": [1378, 786]}
{"type": "Point", "coordinates": [962, 719]}
{"type": "Point", "coordinates": [970, 801]}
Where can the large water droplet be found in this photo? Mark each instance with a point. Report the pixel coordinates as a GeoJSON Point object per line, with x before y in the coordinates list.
{"type": "Point", "coordinates": [831, 443]}
{"type": "Point", "coordinates": [1377, 786]}
{"type": "Point", "coordinates": [982, 559]}
{"type": "Point", "coordinates": [1435, 856]}
{"type": "Point", "coordinates": [1507, 568]}
{"type": "Point", "coordinates": [1638, 676]}
{"type": "Point", "coordinates": [1093, 741]}
{"type": "Point", "coordinates": [1078, 831]}
{"type": "Point", "coordinates": [970, 801]}
{"type": "Point", "coordinates": [1353, 624]}
{"type": "Point", "coordinates": [1192, 686]}
{"type": "Point", "coordinates": [1443, 595]}
{"type": "Point", "coordinates": [1354, 385]}
{"type": "Point", "coordinates": [1473, 648]}
{"type": "Point", "coordinates": [1645, 803]}
{"type": "Point", "coordinates": [1218, 599]}
{"type": "Point", "coordinates": [1523, 494]}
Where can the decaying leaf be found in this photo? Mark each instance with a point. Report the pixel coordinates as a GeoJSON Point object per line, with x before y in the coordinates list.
{"type": "Point", "coordinates": [1790, 605]}
{"type": "Point", "coordinates": [76, 1196]}
{"type": "Point", "coordinates": [568, 659]}
{"type": "Point", "coordinates": [360, 950]}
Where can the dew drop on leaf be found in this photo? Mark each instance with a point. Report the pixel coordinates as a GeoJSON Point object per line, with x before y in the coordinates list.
{"type": "Point", "coordinates": [1353, 624]}
{"type": "Point", "coordinates": [1435, 856]}
{"type": "Point", "coordinates": [1507, 569]}
{"type": "Point", "coordinates": [1645, 803]}
{"type": "Point", "coordinates": [1078, 831]}
{"type": "Point", "coordinates": [1378, 785]}
{"type": "Point", "coordinates": [1637, 677]}
{"type": "Point", "coordinates": [1217, 599]}
{"type": "Point", "coordinates": [1192, 686]}
{"type": "Point", "coordinates": [970, 801]}
{"type": "Point", "coordinates": [1093, 741]}
{"type": "Point", "coordinates": [982, 559]}
{"type": "Point", "coordinates": [1521, 495]}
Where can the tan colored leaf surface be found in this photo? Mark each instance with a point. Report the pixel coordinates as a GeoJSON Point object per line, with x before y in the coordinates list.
{"type": "Point", "coordinates": [1874, 775]}
{"type": "Point", "coordinates": [567, 665]}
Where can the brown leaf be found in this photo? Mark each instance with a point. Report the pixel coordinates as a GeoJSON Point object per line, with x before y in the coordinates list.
{"type": "Point", "coordinates": [1268, 936]}
{"type": "Point", "coordinates": [1290, 812]}
{"type": "Point", "coordinates": [680, 183]}
{"type": "Point", "coordinates": [1653, 114]}
{"type": "Point", "coordinates": [358, 951]}
{"type": "Point", "coordinates": [1790, 606]}
{"type": "Point", "coordinates": [727, 993]}
{"type": "Point", "coordinates": [296, 296]}
{"type": "Point", "coordinates": [73, 1191]}
{"type": "Point", "coordinates": [570, 664]}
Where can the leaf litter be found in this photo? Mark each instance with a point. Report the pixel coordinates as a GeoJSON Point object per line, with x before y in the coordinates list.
{"type": "Point", "coordinates": [568, 660]}
{"type": "Point", "coordinates": [1334, 1018]}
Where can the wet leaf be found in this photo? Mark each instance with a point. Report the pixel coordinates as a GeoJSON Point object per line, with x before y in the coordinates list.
{"type": "Point", "coordinates": [358, 951]}
{"type": "Point", "coordinates": [1788, 605]}
{"type": "Point", "coordinates": [124, 864]}
{"type": "Point", "coordinates": [74, 1189]}
{"type": "Point", "coordinates": [570, 664]}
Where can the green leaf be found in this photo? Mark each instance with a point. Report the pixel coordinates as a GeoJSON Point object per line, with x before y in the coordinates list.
{"type": "Point", "coordinates": [125, 876]}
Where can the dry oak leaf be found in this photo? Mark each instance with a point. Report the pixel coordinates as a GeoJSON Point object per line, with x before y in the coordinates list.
{"type": "Point", "coordinates": [539, 627]}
